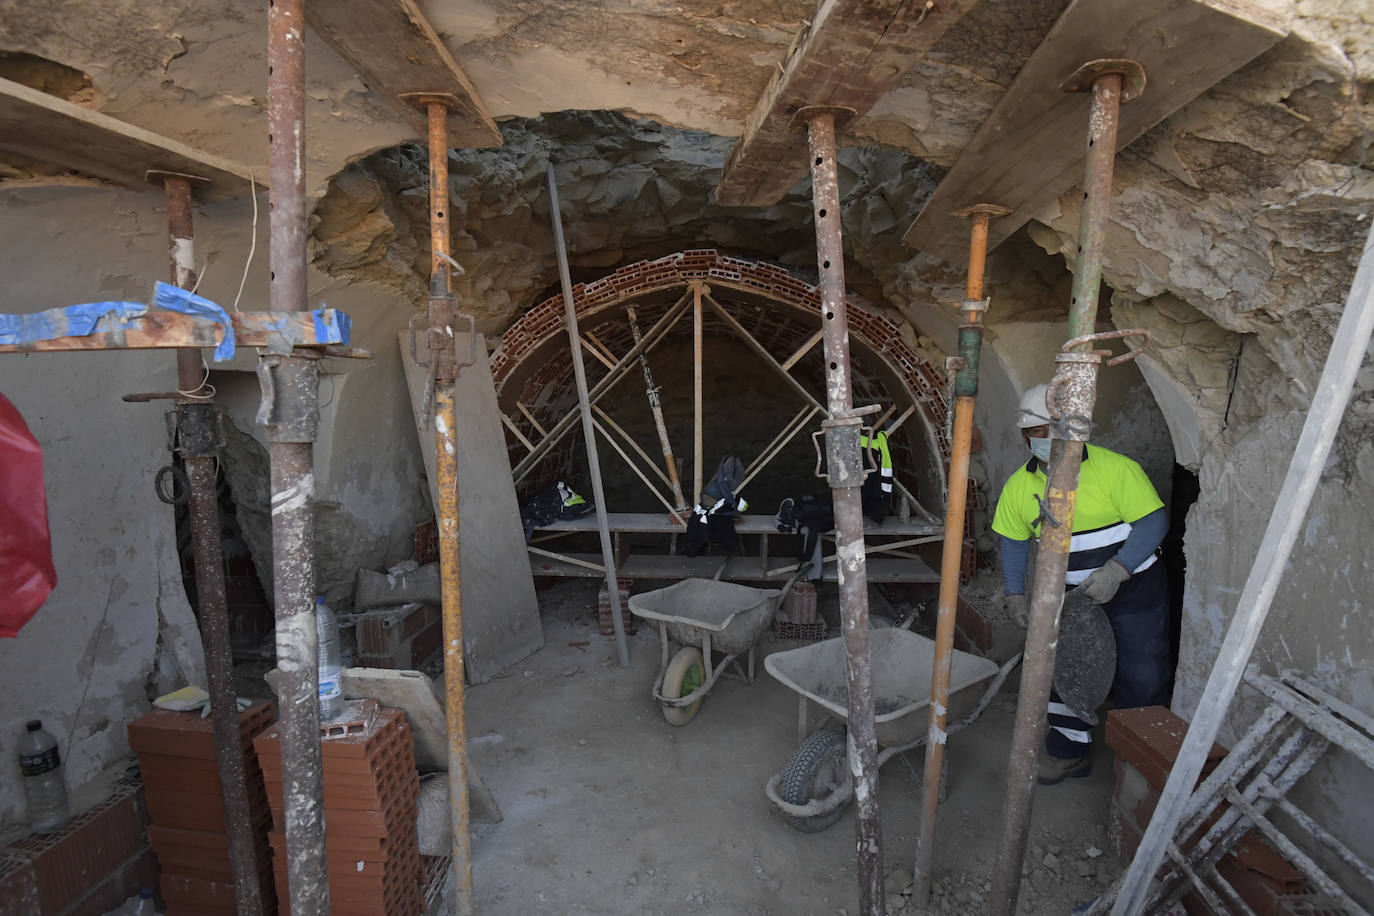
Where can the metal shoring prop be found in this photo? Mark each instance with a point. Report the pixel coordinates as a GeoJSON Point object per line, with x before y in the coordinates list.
{"type": "Point", "coordinates": [588, 429]}
{"type": "Point", "coordinates": [290, 411]}
{"type": "Point", "coordinates": [669, 462]}
{"type": "Point", "coordinates": [443, 355]}
{"type": "Point", "coordinates": [965, 396]}
{"type": "Point", "coordinates": [1072, 394]}
{"type": "Point", "coordinates": [845, 471]}
{"type": "Point", "coordinates": [197, 440]}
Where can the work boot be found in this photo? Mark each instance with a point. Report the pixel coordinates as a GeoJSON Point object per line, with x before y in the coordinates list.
{"type": "Point", "coordinates": [1054, 770]}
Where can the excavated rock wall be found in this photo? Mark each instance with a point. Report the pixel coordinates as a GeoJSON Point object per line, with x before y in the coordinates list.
{"type": "Point", "coordinates": [1235, 228]}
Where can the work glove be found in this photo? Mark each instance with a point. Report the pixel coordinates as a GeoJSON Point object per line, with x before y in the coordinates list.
{"type": "Point", "coordinates": [1101, 586]}
{"type": "Point", "coordinates": [1018, 609]}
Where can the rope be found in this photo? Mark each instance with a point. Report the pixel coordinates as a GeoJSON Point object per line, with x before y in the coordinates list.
{"type": "Point", "coordinates": [252, 238]}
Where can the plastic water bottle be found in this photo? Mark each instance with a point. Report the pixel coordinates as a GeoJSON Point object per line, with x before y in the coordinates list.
{"type": "Point", "coordinates": [44, 787]}
{"type": "Point", "coordinates": [331, 682]}
{"type": "Point", "coordinates": [142, 905]}
{"type": "Point", "coordinates": [145, 906]}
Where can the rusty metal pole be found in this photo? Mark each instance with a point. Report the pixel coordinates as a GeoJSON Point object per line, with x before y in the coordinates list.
{"type": "Point", "coordinates": [965, 396]}
{"type": "Point", "coordinates": [443, 316]}
{"type": "Point", "coordinates": [656, 406]}
{"type": "Point", "coordinates": [197, 441]}
{"type": "Point", "coordinates": [290, 411]}
{"type": "Point", "coordinates": [845, 467]}
{"type": "Point", "coordinates": [1072, 394]}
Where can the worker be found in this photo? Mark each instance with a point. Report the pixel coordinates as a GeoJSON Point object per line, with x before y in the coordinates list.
{"type": "Point", "coordinates": [1118, 524]}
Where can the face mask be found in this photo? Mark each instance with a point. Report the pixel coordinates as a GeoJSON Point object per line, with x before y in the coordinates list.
{"type": "Point", "coordinates": [1040, 448]}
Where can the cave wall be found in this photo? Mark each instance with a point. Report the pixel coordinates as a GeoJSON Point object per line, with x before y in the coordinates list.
{"type": "Point", "coordinates": [87, 662]}
{"type": "Point", "coordinates": [1234, 232]}
{"type": "Point", "coordinates": [91, 660]}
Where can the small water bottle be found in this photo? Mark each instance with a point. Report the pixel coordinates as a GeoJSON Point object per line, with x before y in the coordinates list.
{"type": "Point", "coordinates": [44, 787]}
{"type": "Point", "coordinates": [142, 905]}
{"type": "Point", "coordinates": [331, 681]}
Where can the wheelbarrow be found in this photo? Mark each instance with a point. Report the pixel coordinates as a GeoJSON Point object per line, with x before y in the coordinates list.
{"type": "Point", "coordinates": [720, 617]}
{"type": "Point", "coordinates": [815, 787]}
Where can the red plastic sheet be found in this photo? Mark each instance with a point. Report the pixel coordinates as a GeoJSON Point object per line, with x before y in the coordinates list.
{"type": "Point", "coordinates": [27, 576]}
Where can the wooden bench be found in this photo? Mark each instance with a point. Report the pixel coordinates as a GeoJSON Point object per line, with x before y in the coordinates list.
{"type": "Point", "coordinates": [890, 558]}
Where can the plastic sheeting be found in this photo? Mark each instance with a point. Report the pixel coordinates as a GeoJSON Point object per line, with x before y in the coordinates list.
{"type": "Point", "coordinates": [174, 299]}
{"type": "Point", "coordinates": [27, 575]}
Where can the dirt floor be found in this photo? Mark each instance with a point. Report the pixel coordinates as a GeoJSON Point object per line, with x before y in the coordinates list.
{"type": "Point", "coordinates": [610, 810]}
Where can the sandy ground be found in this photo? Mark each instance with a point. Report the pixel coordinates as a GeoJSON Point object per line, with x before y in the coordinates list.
{"type": "Point", "coordinates": [610, 810]}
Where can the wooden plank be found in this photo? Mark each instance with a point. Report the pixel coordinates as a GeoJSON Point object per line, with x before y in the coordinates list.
{"type": "Point", "coordinates": [746, 569]}
{"type": "Point", "coordinates": [49, 129]}
{"type": "Point", "coordinates": [396, 51]}
{"type": "Point", "coordinates": [160, 330]}
{"type": "Point", "coordinates": [659, 523]}
{"type": "Point", "coordinates": [500, 609]}
{"type": "Point", "coordinates": [762, 352]}
{"type": "Point", "coordinates": [1032, 147]}
{"type": "Point", "coordinates": [848, 56]}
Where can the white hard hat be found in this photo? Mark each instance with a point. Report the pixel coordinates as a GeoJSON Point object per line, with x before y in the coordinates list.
{"type": "Point", "coordinates": [1032, 411]}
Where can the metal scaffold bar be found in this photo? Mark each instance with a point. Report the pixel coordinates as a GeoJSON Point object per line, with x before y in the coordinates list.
{"type": "Point", "coordinates": [290, 411]}
{"type": "Point", "coordinates": [443, 356]}
{"type": "Point", "coordinates": [1072, 395]}
{"type": "Point", "coordinates": [588, 423]}
{"type": "Point", "coordinates": [197, 434]}
{"type": "Point", "coordinates": [845, 470]}
{"type": "Point", "coordinates": [965, 396]}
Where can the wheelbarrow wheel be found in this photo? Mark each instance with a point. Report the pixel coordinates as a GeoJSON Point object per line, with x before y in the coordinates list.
{"type": "Point", "coordinates": [685, 674]}
{"type": "Point", "coordinates": [817, 769]}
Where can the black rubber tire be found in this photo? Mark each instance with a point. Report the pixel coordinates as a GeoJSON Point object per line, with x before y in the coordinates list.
{"type": "Point", "coordinates": [687, 660]}
{"type": "Point", "coordinates": [818, 767]}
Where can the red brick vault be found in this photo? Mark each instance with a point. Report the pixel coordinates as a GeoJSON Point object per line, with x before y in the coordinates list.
{"type": "Point", "coordinates": [532, 367]}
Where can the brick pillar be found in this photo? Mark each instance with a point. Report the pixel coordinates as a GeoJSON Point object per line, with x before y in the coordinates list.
{"type": "Point", "coordinates": [603, 607]}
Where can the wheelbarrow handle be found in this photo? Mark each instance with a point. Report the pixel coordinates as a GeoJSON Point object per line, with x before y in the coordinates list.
{"type": "Point", "coordinates": [796, 577]}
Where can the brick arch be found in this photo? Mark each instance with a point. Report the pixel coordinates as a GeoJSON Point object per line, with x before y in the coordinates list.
{"type": "Point", "coordinates": [875, 336]}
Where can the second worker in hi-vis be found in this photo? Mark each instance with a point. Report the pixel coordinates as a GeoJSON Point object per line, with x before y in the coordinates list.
{"type": "Point", "coordinates": [1118, 524]}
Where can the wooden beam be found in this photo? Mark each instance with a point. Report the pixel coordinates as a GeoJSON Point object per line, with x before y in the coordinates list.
{"type": "Point", "coordinates": [897, 423]}
{"type": "Point", "coordinates": [569, 420]}
{"type": "Point", "coordinates": [598, 349]}
{"type": "Point", "coordinates": [398, 53]}
{"type": "Point", "coordinates": [510, 425]}
{"type": "Point", "coordinates": [49, 129]}
{"type": "Point", "coordinates": [529, 416]}
{"type": "Point", "coordinates": [1032, 147]}
{"type": "Point", "coordinates": [804, 349]}
{"type": "Point", "coordinates": [763, 354]}
{"type": "Point", "coordinates": [161, 330]}
{"type": "Point", "coordinates": [634, 467]}
{"type": "Point", "coordinates": [848, 57]}
{"type": "Point", "coordinates": [610, 423]}
{"type": "Point", "coordinates": [775, 448]}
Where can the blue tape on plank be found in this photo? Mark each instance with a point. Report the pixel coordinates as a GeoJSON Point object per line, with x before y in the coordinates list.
{"type": "Point", "coordinates": [175, 299]}
{"type": "Point", "coordinates": [72, 321]}
{"type": "Point", "coordinates": [332, 326]}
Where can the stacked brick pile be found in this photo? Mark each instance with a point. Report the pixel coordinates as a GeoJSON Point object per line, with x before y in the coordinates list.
{"type": "Point", "coordinates": [187, 829]}
{"type": "Point", "coordinates": [371, 789]}
{"type": "Point", "coordinates": [799, 619]}
{"type": "Point", "coordinates": [603, 608]}
{"type": "Point", "coordinates": [405, 637]}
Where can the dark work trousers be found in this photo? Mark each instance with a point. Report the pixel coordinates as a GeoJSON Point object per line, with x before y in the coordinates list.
{"type": "Point", "coordinates": [1139, 615]}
